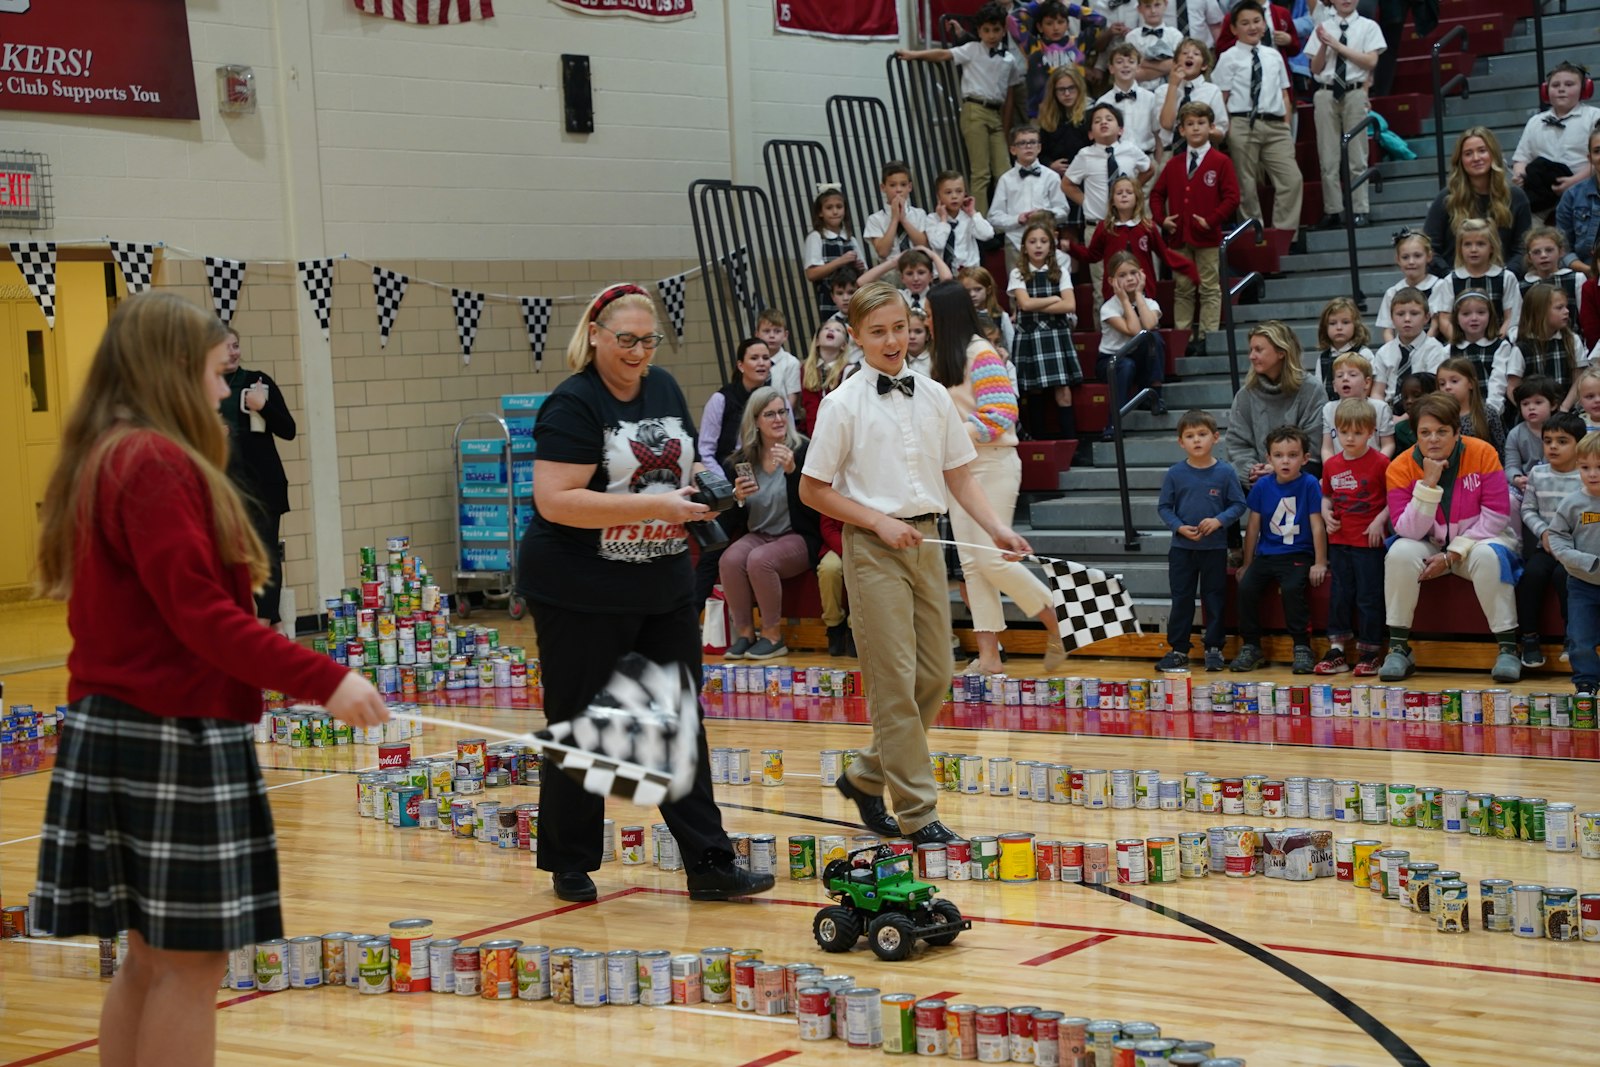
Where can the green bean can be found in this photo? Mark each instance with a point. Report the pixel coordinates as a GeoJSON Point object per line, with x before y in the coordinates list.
{"type": "Point", "coordinates": [1504, 817]}
{"type": "Point", "coordinates": [369, 556]}
{"type": "Point", "coordinates": [1530, 819]}
{"type": "Point", "coordinates": [802, 857]}
{"type": "Point", "coordinates": [1583, 712]}
{"type": "Point", "coordinates": [1480, 814]}
{"type": "Point", "coordinates": [1430, 807]}
{"type": "Point", "coordinates": [1450, 705]}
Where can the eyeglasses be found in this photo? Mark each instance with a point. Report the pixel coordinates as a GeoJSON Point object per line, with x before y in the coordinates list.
{"type": "Point", "coordinates": [1024, 144]}
{"type": "Point", "coordinates": [781, 413]}
{"type": "Point", "coordinates": [650, 341]}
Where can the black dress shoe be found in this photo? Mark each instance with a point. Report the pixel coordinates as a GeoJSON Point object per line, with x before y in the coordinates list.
{"type": "Point", "coordinates": [575, 886]}
{"type": "Point", "coordinates": [1334, 221]}
{"type": "Point", "coordinates": [935, 833]}
{"type": "Point", "coordinates": [720, 879]}
{"type": "Point", "coordinates": [1158, 406]}
{"type": "Point", "coordinates": [1360, 220]}
{"type": "Point", "coordinates": [873, 813]}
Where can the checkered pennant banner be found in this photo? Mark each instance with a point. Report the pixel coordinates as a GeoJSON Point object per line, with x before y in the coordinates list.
{"type": "Point", "coordinates": [136, 262]}
{"type": "Point", "coordinates": [639, 738]}
{"type": "Point", "coordinates": [37, 262]}
{"type": "Point", "coordinates": [536, 316]}
{"type": "Point", "coordinates": [468, 307]}
{"type": "Point", "coordinates": [674, 299]}
{"type": "Point", "coordinates": [390, 289]}
{"type": "Point", "coordinates": [317, 276]}
{"type": "Point", "coordinates": [225, 277]}
{"type": "Point", "coordinates": [1089, 605]}
{"type": "Point", "coordinates": [737, 264]}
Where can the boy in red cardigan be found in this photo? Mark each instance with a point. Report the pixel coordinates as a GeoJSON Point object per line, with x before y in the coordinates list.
{"type": "Point", "coordinates": [1195, 197]}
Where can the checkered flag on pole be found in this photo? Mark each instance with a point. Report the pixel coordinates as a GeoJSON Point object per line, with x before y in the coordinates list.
{"type": "Point", "coordinates": [673, 298]}
{"type": "Point", "coordinates": [1089, 605]}
{"type": "Point", "coordinates": [639, 739]}
{"type": "Point", "coordinates": [37, 262]}
{"type": "Point", "coordinates": [225, 277]}
{"type": "Point", "coordinates": [536, 316]}
{"type": "Point", "coordinates": [390, 288]}
{"type": "Point", "coordinates": [136, 262]}
{"type": "Point", "coordinates": [468, 307]}
{"type": "Point", "coordinates": [317, 276]}
{"type": "Point", "coordinates": [737, 264]}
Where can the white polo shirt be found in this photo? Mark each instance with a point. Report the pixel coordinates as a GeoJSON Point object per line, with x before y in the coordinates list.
{"type": "Point", "coordinates": [1089, 172]}
{"type": "Point", "coordinates": [1567, 143]}
{"type": "Point", "coordinates": [1139, 114]}
{"type": "Point", "coordinates": [1362, 34]}
{"type": "Point", "coordinates": [1201, 91]}
{"type": "Point", "coordinates": [1232, 76]}
{"type": "Point", "coordinates": [984, 76]}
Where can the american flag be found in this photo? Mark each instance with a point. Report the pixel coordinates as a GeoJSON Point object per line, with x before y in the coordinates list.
{"type": "Point", "coordinates": [430, 12]}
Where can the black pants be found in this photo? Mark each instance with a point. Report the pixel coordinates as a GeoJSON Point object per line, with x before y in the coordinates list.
{"type": "Point", "coordinates": [266, 527]}
{"type": "Point", "coordinates": [1540, 571]}
{"type": "Point", "coordinates": [1139, 364]}
{"type": "Point", "coordinates": [1538, 181]}
{"type": "Point", "coordinates": [578, 652]}
{"type": "Point", "coordinates": [1389, 58]}
{"type": "Point", "coordinates": [1357, 594]}
{"type": "Point", "coordinates": [1293, 575]}
{"type": "Point", "coordinates": [1189, 569]}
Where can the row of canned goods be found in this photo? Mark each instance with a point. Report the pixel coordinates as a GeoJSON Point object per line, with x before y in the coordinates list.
{"type": "Point", "coordinates": [776, 681]}
{"type": "Point", "coordinates": [294, 726]}
{"type": "Point", "coordinates": [21, 722]}
{"type": "Point", "coordinates": [731, 766]}
{"type": "Point", "coordinates": [1558, 913]}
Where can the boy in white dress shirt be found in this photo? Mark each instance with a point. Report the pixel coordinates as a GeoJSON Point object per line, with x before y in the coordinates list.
{"type": "Point", "coordinates": [1197, 19]}
{"type": "Point", "coordinates": [1023, 190]}
{"type": "Point", "coordinates": [1187, 84]}
{"type": "Point", "coordinates": [1255, 90]}
{"type": "Point", "coordinates": [958, 225]}
{"type": "Point", "coordinates": [1156, 42]}
{"type": "Point", "coordinates": [1343, 50]}
{"type": "Point", "coordinates": [889, 451]}
{"type": "Point", "coordinates": [1109, 153]}
{"type": "Point", "coordinates": [897, 226]}
{"type": "Point", "coordinates": [1136, 105]}
{"type": "Point", "coordinates": [1553, 152]}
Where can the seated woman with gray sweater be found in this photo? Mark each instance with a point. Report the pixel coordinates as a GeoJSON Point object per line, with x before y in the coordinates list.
{"type": "Point", "coordinates": [1276, 392]}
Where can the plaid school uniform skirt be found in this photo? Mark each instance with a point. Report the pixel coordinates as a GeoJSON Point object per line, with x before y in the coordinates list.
{"type": "Point", "coordinates": [1044, 354]}
{"type": "Point", "coordinates": [159, 825]}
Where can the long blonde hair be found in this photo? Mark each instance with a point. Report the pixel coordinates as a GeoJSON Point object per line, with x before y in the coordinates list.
{"type": "Point", "coordinates": [1279, 336]}
{"type": "Point", "coordinates": [1460, 201]}
{"type": "Point", "coordinates": [1050, 114]}
{"type": "Point", "coordinates": [753, 445]}
{"type": "Point", "coordinates": [813, 376]}
{"type": "Point", "coordinates": [580, 353]}
{"type": "Point", "coordinates": [149, 375]}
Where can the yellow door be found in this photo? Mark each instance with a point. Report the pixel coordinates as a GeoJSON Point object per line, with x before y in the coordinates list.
{"type": "Point", "coordinates": [30, 430]}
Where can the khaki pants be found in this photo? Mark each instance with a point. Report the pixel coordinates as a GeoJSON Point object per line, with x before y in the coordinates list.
{"type": "Point", "coordinates": [987, 153]}
{"type": "Point", "coordinates": [998, 471]}
{"type": "Point", "coordinates": [830, 587]}
{"type": "Point", "coordinates": [901, 620]}
{"type": "Point", "coordinates": [1402, 572]}
{"type": "Point", "coordinates": [1183, 297]}
{"type": "Point", "coordinates": [1267, 149]}
{"type": "Point", "coordinates": [1333, 118]}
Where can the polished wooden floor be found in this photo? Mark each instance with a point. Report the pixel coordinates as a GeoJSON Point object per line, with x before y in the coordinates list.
{"type": "Point", "coordinates": [1277, 973]}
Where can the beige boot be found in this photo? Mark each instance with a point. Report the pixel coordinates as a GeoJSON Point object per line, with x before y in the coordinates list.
{"type": "Point", "coordinates": [1055, 653]}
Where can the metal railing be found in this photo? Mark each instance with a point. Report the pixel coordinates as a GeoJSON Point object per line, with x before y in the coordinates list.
{"type": "Point", "coordinates": [744, 265]}
{"type": "Point", "coordinates": [1120, 408]}
{"type": "Point", "coordinates": [1348, 185]}
{"type": "Point", "coordinates": [1229, 292]}
{"type": "Point", "coordinates": [1538, 32]}
{"type": "Point", "coordinates": [858, 127]}
{"type": "Point", "coordinates": [794, 170]}
{"type": "Point", "coordinates": [927, 118]}
{"type": "Point", "coordinates": [1441, 90]}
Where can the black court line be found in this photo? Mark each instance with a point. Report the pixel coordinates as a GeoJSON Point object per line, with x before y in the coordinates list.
{"type": "Point", "coordinates": [796, 815]}
{"type": "Point", "coordinates": [1391, 1042]}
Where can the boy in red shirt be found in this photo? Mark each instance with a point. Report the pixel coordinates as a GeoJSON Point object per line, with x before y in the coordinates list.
{"type": "Point", "coordinates": [1194, 199]}
{"type": "Point", "coordinates": [1355, 510]}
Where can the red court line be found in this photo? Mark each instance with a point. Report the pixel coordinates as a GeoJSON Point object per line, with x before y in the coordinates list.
{"type": "Point", "coordinates": [943, 994]}
{"type": "Point", "coordinates": [1490, 968]}
{"type": "Point", "coordinates": [775, 1057]}
{"type": "Point", "coordinates": [41, 1057]}
{"type": "Point", "coordinates": [1067, 950]}
{"type": "Point", "coordinates": [553, 912]}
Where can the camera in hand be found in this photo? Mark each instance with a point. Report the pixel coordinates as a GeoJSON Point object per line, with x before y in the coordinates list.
{"type": "Point", "coordinates": [715, 492]}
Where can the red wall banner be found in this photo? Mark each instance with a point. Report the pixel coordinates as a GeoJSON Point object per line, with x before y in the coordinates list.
{"type": "Point", "coordinates": [660, 10]}
{"type": "Point", "coordinates": [97, 57]}
{"type": "Point", "coordinates": [859, 20]}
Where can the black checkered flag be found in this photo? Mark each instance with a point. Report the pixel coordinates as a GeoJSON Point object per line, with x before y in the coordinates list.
{"type": "Point", "coordinates": [468, 307]}
{"type": "Point", "coordinates": [37, 262]}
{"type": "Point", "coordinates": [536, 316]}
{"type": "Point", "coordinates": [136, 262]}
{"type": "Point", "coordinates": [1089, 605]}
{"type": "Point", "coordinates": [225, 277]}
{"type": "Point", "coordinates": [390, 289]}
{"type": "Point", "coordinates": [639, 739]}
{"type": "Point", "coordinates": [673, 298]}
{"type": "Point", "coordinates": [317, 276]}
{"type": "Point", "coordinates": [737, 264]}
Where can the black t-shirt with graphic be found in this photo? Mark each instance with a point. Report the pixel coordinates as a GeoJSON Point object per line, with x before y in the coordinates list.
{"type": "Point", "coordinates": [644, 445]}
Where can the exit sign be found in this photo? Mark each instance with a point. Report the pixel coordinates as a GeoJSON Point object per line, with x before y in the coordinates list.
{"type": "Point", "coordinates": [25, 194]}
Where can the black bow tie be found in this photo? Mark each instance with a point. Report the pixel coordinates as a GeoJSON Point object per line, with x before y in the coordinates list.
{"type": "Point", "coordinates": [906, 385]}
{"type": "Point", "coordinates": [1131, 94]}
{"type": "Point", "coordinates": [1030, 172]}
{"type": "Point", "coordinates": [998, 51]}
{"type": "Point", "coordinates": [1551, 120]}
{"type": "Point", "coordinates": [1150, 31]}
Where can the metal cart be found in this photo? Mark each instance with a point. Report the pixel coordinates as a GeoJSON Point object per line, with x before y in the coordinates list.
{"type": "Point", "coordinates": [504, 581]}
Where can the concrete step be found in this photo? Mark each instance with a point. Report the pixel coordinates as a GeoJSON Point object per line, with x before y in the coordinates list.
{"type": "Point", "coordinates": [1104, 479]}
{"type": "Point", "coordinates": [1377, 257]}
{"type": "Point", "coordinates": [1094, 511]}
{"type": "Point", "coordinates": [1082, 545]}
{"type": "Point", "coordinates": [1138, 422]}
{"type": "Point", "coordinates": [1194, 393]}
{"type": "Point", "coordinates": [1305, 330]}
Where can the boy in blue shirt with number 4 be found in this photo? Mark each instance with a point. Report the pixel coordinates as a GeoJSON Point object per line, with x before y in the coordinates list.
{"type": "Point", "coordinates": [1284, 542]}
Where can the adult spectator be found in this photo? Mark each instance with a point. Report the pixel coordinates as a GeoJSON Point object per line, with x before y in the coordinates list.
{"type": "Point", "coordinates": [1478, 187]}
{"type": "Point", "coordinates": [783, 537]}
{"type": "Point", "coordinates": [604, 568]}
{"type": "Point", "coordinates": [719, 436]}
{"type": "Point", "coordinates": [1451, 507]}
{"type": "Point", "coordinates": [1578, 216]}
{"type": "Point", "coordinates": [1276, 392]}
{"type": "Point", "coordinates": [254, 414]}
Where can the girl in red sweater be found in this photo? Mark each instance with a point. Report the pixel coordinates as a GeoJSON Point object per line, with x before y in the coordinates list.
{"type": "Point", "coordinates": [157, 821]}
{"type": "Point", "coordinates": [1128, 228]}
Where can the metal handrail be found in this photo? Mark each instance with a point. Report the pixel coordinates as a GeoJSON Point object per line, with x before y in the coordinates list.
{"type": "Point", "coordinates": [1130, 536]}
{"type": "Point", "coordinates": [1440, 90]}
{"type": "Point", "coordinates": [1538, 33]}
{"type": "Point", "coordinates": [1348, 186]}
{"type": "Point", "coordinates": [1228, 293]}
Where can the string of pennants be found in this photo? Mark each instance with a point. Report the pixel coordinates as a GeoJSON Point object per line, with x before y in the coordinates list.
{"type": "Point", "coordinates": [225, 280]}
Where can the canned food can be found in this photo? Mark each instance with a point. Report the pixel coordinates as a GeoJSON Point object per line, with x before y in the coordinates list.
{"type": "Point", "coordinates": [772, 766]}
{"type": "Point", "coordinates": [1096, 863]}
{"type": "Point", "coordinates": [897, 1024]}
{"type": "Point", "coordinates": [863, 1019]}
{"type": "Point", "coordinates": [958, 860]}
{"type": "Point", "coordinates": [1069, 861]}
{"type": "Point", "coordinates": [802, 857]}
{"type": "Point", "coordinates": [497, 969]}
{"type": "Point", "coordinates": [589, 980]}
{"type": "Point", "coordinates": [985, 864]}
{"type": "Point", "coordinates": [932, 860]}
{"type": "Point", "coordinates": [242, 968]}
{"type": "Point", "coordinates": [1527, 910]}
{"type": "Point", "coordinates": [928, 1018]}
{"type": "Point", "coordinates": [1560, 825]}
{"type": "Point", "coordinates": [831, 765]}
{"type": "Point", "coordinates": [1162, 855]}
{"type": "Point", "coordinates": [533, 972]}
{"type": "Point", "coordinates": [1589, 835]}
{"type": "Point", "coordinates": [814, 1011]}
{"type": "Point", "coordinates": [1019, 1026]}
{"type": "Point", "coordinates": [961, 1031]}
{"type": "Point", "coordinates": [1530, 818]}
{"type": "Point", "coordinates": [1385, 875]}
{"type": "Point", "coordinates": [622, 976]}
{"type": "Point", "coordinates": [994, 1044]}
{"type": "Point", "coordinates": [1000, 776]}
{"type": "Point", "coordinates": [1017, 862]}
{"type": "Point", "coordinates": [373, 968]}
{"type": "Point", "coordinates": [1589, 916]}
{"type": "Point", "coordinates": [1560, 913]}
{"type": "Point", "coordinates": [1096, 789]}
{"type": "Point", "coordinates": [1494, 904]}
{"type": "Point", "coordinates": [1132, 862]}
{"type": "Point", "coordinates": [1452, 911]}
{"type": "Point", "coordinates": [655, 977]}
{"type": "Point", "coordinates": [716, 975]}
{"type": "Point", "coordinates": [272, 965]}
{"type": "Point", "coordinates": [1239, 847]}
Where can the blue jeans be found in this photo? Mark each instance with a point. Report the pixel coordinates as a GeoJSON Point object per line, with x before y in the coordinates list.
{"type": "Point", "coordinates": [1188, 568]}
{"type": "Point", "coordinates": [1357, 591]}
{"type": "Point", "coordinates": [1583, 629]}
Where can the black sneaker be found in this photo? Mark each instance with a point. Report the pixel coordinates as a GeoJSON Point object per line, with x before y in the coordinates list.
{"type": "Point", "coordinates": [1532, 653]}
{"type": "Point", "coordinates": [1585, 689]}
{"type": "Point", "coordinates": [1304, 661]}
{"type": "Point", "coordinates": [935, 833]}
{"type": "Point", "coordinates": [873, 813]}
{"type": "Point", "coordinates": [575, 886]}
{"type": "Point", "coordinates": [1214, 660]}
{"type": "Point", "coordinates": [720, 879]}
{"type": "Point", "coordinates": [1173, 662]}
{"type": "Point", "coordinates": [1248, 659]}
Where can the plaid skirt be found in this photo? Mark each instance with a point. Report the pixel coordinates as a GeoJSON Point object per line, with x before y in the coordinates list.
{"type": "Point", "coordinates": [159, 825]}
{"type": "Point", "coordinates": [1044, 354]}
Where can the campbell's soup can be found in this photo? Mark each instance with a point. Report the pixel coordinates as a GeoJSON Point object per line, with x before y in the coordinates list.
{"type": "Point", "coordinates": [958, 860]}
{"type": "Point", "coordinates": [928, 1017]}
{"type": "Point", "coordinates": [1589, 916]}
{"type": "Point", "coordinates": [813, 1011]}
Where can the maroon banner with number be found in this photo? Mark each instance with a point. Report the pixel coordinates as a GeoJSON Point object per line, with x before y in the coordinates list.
{"type": "Point", "coordinates": [858, 20]}
{"type": "Point", "coordinates": [640, 9]}
{"type": "Point", "coordinates": [97, 57]}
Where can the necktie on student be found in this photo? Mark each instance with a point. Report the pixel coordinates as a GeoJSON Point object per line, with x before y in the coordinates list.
{"type": "Point", "coordinates": [1183, 18]}
{"type": "Point", "coordinates": [1177, 135]}
{"type": "Point", "coordinates": [950, 244]}
{"type": "Point", "coordinates": [1194, 161]}
{"type": "Point", "coordinates": [906, 385]}
{"type": "Point", "coordinates": [1340, 67]}
{"type": "Point", "coordinates": [1255, 82]}
{"type": "Point", "coordinates": [1111, 165]}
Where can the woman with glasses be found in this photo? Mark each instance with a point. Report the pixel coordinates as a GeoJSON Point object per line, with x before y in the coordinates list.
{"type": "Point", "coordinates": [719, 436]}
{"type": "Point", "coordinates": [784, 537]}
{"type": "Point", "coordinates": [604, 568]}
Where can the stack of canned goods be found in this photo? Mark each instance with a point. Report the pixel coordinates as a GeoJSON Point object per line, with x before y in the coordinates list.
{"type": "Point", "coordinates": [21, 722]}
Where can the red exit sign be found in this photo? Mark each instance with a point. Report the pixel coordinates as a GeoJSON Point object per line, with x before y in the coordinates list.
{"type": "Point", "coordinates": [25, 196]}
{"type": "Point", "coordinates": [16, 189]}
